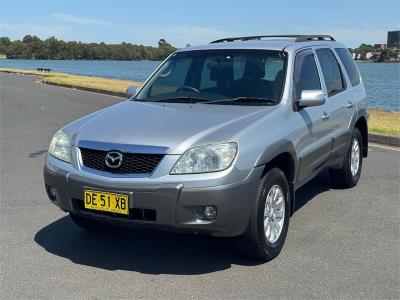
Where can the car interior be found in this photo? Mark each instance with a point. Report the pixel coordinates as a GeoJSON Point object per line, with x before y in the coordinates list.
{"type": "Point", "coordinates": [216, 76]}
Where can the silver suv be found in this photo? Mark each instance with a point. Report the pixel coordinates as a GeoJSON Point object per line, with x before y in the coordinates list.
{"type": "Point", "coordinates": [217, 141]}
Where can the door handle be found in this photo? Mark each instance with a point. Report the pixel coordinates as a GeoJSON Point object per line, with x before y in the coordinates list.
{"type": "Point", "coordinates": [350, 104]}
{"type": "Point", "coordinates": [325, 116]}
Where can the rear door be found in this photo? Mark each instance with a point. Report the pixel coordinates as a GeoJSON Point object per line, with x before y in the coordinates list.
{"type": "Point", "coordinates": [340, 98]}
{"type": "Point", "coordinates": [353, 77]}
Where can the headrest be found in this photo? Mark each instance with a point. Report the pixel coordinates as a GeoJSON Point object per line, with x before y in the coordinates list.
{"type": "Point", "coordinates": [279, 76]}
{"type": "Point", "coordinates": [254, 69]}
{"type": "Point", "coordinates": [220, 71]}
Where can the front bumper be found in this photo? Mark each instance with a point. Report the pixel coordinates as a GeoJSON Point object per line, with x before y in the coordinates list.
{"type": "Point", "coordinates": [163, 205]}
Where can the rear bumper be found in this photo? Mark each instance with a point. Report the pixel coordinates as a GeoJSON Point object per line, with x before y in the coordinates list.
{"type": "Point", "coordinates": [162, 205]}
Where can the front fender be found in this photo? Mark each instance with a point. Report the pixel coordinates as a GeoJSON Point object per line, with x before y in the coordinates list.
{"type": "Point", "coordinates": [275, 149]}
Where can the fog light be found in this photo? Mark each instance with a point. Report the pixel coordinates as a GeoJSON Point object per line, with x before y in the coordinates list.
{"type": "Point", "coordinates": [210, 212]}
{"type": "Point", "coordinates": [53, 191]}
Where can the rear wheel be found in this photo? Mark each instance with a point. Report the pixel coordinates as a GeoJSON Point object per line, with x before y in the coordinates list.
{"type": "Point", "coordinates": [267, 229]}
{"type": "Point", "coordinates": [349, 174]}
{"type": "Point", "coordinates": [87, 223]}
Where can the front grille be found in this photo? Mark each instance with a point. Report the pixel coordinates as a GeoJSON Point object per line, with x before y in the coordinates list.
{"type": "Point", "coordinates": [132, 163]}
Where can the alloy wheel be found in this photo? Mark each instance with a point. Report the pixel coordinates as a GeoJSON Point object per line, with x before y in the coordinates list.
{"type": "Point", "coordinates": [274, 213]}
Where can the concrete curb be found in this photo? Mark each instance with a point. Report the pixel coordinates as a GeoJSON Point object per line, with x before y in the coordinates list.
{"type": "Point", "coordinates": [111, 93]}
{"type": "Point", "coordinates": [384, 139]}
{"type": "Point", "coordinates": [372, 137]}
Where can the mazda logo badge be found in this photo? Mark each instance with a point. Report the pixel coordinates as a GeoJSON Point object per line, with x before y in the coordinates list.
{"type": "Point", "coordinates": [113, 159]}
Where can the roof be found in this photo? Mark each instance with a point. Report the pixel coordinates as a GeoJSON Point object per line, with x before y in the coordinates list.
{"type": "Point", "coordinates": [290, 43]}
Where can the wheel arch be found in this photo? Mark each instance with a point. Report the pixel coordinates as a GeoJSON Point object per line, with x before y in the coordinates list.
{"type": "Point", "coordinates": [362, 125]}
{"type": "Point", "coordinates": [283, 156]}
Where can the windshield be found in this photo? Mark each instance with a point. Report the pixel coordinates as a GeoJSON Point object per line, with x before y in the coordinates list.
{"type": "Point", "coordinates": [212, 75]}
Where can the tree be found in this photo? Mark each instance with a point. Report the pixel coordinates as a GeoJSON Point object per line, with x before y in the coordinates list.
{"type": "Point", "coordinates": [27, 39]}
{"type": "Point", "coordinates": [363, 49]}
{"type": "Point", "coordinates": [5, 41]}
{"type": "Point", "coordinates": [389, 54]}
{"type": "Point", "coordinates": [51, 48]}
{"type": "Point", "coordinates": [4, 44]}
{"type": "Point", "coordinates": [17, 49]}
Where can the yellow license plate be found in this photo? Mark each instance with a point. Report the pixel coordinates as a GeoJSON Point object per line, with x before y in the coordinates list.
{"type": "Point", "coordinates": [104, 201]}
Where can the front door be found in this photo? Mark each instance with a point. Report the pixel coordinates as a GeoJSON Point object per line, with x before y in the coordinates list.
{"type": "Point", "coordinates": [314, 136]}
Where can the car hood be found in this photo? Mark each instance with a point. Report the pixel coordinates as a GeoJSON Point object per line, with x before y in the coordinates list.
{"type": "Point", "coordinates": [175, 127]}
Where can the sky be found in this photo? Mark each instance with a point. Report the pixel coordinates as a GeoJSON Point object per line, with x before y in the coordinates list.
{"type": "Point", "coordinates": [197, 22]}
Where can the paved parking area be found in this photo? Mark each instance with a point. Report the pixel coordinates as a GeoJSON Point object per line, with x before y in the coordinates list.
{"type": "Point", "coordinates": [341, 243]}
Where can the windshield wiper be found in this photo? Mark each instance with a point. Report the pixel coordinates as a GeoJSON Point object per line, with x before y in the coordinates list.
{"type": "Point", "coordinates": [238, 100]}
{"type": "Point", "coordinates": [179, 99]}
{"type": "Point", "coordinates": [247, 100]}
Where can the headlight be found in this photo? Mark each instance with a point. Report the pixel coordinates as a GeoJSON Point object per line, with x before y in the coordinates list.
{"type": "Point", "coordinates": [60, 146]}
{"type": "Point", "coordinates": [204, 159]}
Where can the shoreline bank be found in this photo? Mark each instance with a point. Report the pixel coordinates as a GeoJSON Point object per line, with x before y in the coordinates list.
{"type": "Point", "coordinates": [381, 122]}
{"type": "Point", "coordinates": [115, 87]}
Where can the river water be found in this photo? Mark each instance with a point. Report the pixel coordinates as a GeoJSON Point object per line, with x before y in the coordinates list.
{"type": "Point", "coordinates": [382, 80]}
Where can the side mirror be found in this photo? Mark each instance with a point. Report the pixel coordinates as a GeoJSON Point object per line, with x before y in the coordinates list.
{"type": "Point", "coordinates": [311, 98]}
{"type": "Point", "coordinates": [131, 91]}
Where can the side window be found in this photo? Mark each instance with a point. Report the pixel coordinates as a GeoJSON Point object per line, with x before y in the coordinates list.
{"type": "Point", "coordinates": [333, 76]}
{"type": "Point", "coordinates": [273, 69]}
{"type": "Point", "coordinates": [205, 80]}
{"type": "Point", "coordinates": [305, 75]}
{"type": "Point", "coordinates": [239, 63]}
{"type": "Point", "coordinates": [349, 65]}
{"type": "Point", "coordinates": [172, 77]}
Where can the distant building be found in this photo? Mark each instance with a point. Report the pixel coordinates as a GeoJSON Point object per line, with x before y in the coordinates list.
{"type": "Point", "coordinates": [393, 39]}
{"type": "Point", "coordinates": [369, 55]}
{"type": "Point", "coordinates": [380, 46]}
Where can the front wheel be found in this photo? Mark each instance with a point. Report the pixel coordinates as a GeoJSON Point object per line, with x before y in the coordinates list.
{"type": "Point", "coordinates": [269, 222]}
{"type": "Point", "coordinates": [349, 174]}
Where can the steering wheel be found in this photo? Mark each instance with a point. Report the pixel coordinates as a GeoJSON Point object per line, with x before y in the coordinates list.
{"type": "Point", "coordinates": [187, 88]}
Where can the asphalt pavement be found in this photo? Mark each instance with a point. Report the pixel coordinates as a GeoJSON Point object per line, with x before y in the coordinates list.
{"type": "Point", "coordinates": [341, 243]}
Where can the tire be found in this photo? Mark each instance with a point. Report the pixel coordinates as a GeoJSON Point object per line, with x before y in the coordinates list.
{"type": "Point", "coordinates": [255, 242]}
{"type": "Point", "coordinates": [346, 177]}
{"type": "Point", "coordinates": [86, 223]}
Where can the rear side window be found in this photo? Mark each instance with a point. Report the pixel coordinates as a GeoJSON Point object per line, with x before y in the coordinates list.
{"type": "Point", "coordinates": [332, 73]}
{"type": "Point", "coordinates": [349, 65]}
{"type": "Point", "coordinates": [305, 75]}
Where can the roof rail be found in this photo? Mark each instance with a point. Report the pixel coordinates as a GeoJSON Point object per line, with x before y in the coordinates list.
{"type": "Point", "coordinates": [318, 37]}
{"type": "Point", "coordinates": [296, 37]}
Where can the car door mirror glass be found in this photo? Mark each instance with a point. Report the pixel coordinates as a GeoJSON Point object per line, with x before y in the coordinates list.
{"type": "Point", "coordinates": [311, 98]}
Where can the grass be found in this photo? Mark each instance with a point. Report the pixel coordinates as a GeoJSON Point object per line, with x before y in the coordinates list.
{"type": "Point", "coordinates": [384, 122]}
{"type": "Point", "coordinates": [380, 121]}
{"type": "Point", "coordinates": [75, 81]}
